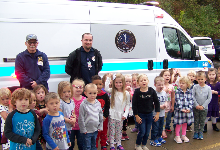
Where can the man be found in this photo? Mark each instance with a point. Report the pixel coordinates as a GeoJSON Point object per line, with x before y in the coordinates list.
{"type": "Point", "coordinates": [32, 66]}
{"type": "Point", "coordinates": [85, 61]}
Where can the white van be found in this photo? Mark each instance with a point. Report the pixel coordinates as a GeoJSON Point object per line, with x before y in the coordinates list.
{"type": "Point", "coordinates": [206, 46]}
{"type": "Point", "coordinates": [131, 38]}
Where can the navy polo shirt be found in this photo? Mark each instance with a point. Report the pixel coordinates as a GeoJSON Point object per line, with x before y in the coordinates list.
{"type": "Point", "coordinates": [87, 72]}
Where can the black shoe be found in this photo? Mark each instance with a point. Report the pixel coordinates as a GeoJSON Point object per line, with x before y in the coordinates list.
{"type": "Point", "coordinates": [215, 127]}
{"type": "Point", "coordinates": [205, 128]}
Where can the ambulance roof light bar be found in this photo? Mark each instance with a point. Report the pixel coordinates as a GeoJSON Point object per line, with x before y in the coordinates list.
{"type": "Point", "coordinates": [150, 3]}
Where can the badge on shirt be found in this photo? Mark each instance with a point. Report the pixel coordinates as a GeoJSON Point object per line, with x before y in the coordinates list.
{"type": "Point", "coordinates": [40, 61]}
{"type": "Point", "coordinates": [93, 58]}
{"type": "Point", "coordinates": [89, 65]}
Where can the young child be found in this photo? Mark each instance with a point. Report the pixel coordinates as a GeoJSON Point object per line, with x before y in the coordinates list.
{"type": "Point", "coordinates": [144, 101]}
{"type": "Point", "coordinates": [103, 82]}
{"type": "Point", "coordinates": [78, 86]}
{"type": "Point", "coordinates": [32, 106]}
{"type": "Point", "coordinates": [67, 105]}
{"type": "Point", "coordinates": [5, 97]}
{"type": "Point", "coordinates": [119, 108]}
{"type": "Point", "coordinates": [54, 129]}
{"type": "Point", "coordinates": [202, 95]}
{"type": "Point", "coordinates": [175, 81]}
{"type": "Point", "coordinates": [169, 89]}
{"type": "Point", "coordinates": [213, 107]}
{"type": "Point", "coordinates": [90, 117]}
{"type": "Point", "coordinates": [157, 127]}
{"type": "Point", "coordinates": [22, 127]}
{"type": "Point", "coordinates": [183, 112]}
{"type": "Point", "coordinates": [103, 98]}
{"type": "Point", "coordinates": [134, 86]}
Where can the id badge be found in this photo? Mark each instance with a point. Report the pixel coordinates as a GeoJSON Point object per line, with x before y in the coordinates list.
{"type": "Point", "coordinates": [40, 63]}
{"type": "Point", "coordinates": [89, 65]}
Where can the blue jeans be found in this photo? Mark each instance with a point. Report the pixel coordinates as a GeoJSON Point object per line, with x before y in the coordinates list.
{"type": "Point", "coordinates": [168, 120]}
{"type": "Point", "coordinates": [144, 128]}
{"type": "Point", "coordinates": [157, 128]}
{"type": "Point", "coordinates": [89, 140]}
{"type": "Point", "coordinates": [79, 137]}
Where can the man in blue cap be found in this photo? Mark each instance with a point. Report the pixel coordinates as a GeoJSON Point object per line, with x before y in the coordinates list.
{"type": "Point", "coordinates": [32, 66]}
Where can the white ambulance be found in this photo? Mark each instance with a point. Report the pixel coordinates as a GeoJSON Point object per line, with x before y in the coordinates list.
{"type": "Point", "coordinates": [131, 38]}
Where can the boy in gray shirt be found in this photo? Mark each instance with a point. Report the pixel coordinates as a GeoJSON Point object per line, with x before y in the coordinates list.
{"type": "Point", "coordinates": [90, 117]}
{"type": "Point", "coordinates": [202, 96]}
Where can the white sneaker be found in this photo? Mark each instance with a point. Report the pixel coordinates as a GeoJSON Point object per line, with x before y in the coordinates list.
{"type": "Point", "coordinates": [138, 147]}
{"type": "Point", "coordinates": [144, 147]}
{"type": "Point", "coordinates": [185, 139]}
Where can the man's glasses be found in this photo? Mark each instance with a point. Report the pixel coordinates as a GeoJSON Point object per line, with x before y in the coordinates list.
{"type": "Point", "coordinates": [29, 42]}
{"type": "Point", "coordinates": [78, 87]}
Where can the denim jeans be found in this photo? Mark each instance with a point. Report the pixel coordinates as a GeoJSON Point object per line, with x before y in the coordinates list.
{"type": "Point", "coordinates": [157, 128]}
{"type": "Point", "coordinates": [89, 140]}
{"type": "Point", "coordinates": [144, 128]}
{"type": "Point", "coordinates": [79, 137]}
{"type": "Point", "coordinates": [168, 120]}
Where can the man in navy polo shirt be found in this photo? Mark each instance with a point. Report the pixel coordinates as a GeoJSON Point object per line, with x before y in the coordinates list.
{"type": "Point", "coordinates": [31, 66]}
{"type": "Point", "coordinates": [84, 62]}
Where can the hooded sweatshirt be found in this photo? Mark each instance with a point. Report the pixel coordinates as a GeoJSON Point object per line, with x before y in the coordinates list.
{"type": "Point", "coordinates": [105, 102]}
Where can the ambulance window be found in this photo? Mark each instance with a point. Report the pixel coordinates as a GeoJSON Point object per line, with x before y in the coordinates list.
{"type": "Point", "coordinates": [172, 43]}
{"type": "Point", "coordinates": [186, 45]}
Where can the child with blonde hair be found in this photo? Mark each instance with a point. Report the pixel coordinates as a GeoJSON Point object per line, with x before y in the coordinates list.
{"type": "Point", "coordinates": [183, 111]}
{"type": "Point", "coordinates": [119, 108]}
{"type": "Point", "coordinates": [5, 97]}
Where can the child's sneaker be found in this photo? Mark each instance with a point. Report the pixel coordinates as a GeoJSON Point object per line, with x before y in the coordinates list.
{"type": "Point", "coordinates": [119, 147]}
{"type": "Point", "coordinates": [112, 148]}
{"type": "Point", "coordinates": [125, 136]}
{"type": "Point", "coordinates": [164, 135]}
{"type": "Point", "coordinates": [161, 140]}
{"type": "Point", "coordinates": [134, 130]}
{"type": "Point", "coordinates": [155, 143]}
{"type": "Point", "coordinates": [168, 130]}
{"type": "Point", "coordinates": [138, 147]}
{"type": "Point", "coordinates": [189, 129]}
{"type": "Point", "coordinates": [200, 136]}
{"type": "Point", "coordinates": [195, 136]}
{"type": "Point", "coordinates": [107, 143]}
{"type": "Point", "coordinates": [144, 147]}
{"type": "Point", "coordinates": [103, 148]}
{"type": "Point", "coordinates": [185, 139]}
{"type": "Point", "coordinates": [178, 139]}
{"type": "Point", "coordinates": [122, 138]}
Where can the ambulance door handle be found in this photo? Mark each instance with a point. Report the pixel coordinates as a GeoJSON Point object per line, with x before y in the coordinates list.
{"type": "Point", "coordinates": [165, 64]}
{"type": "Point", "coordinates": [150, 64]}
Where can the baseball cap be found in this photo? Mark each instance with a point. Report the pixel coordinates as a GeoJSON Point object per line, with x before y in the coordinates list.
{"type": "Point", "coordinates": [31, 36]}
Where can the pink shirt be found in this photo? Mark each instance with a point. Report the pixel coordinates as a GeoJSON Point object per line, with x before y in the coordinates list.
{"type": "Point", "coordinates": [170, 90]}
{"type": "Point", "coordinates": [77, 105]}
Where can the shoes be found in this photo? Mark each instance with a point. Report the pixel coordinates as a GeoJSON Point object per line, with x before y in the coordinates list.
{"type": "Point", "coordinates": [185, 139]}
{"type": "Point", "coordinates": [161, 140]}
{"type": "Point", "coordinates": [200, 136]}
{"type": "Point", "coordinates": [189, 129]}
{"type": "Point", "coordinates": [144, 147]}
{"type": "Point", "coordinates": [178, 139]}
{"type": "Point", "coordinates": [122, 138]}
{"type": "Point", "coordinates": [215, 127]}
{"type": "Point", "coordinates": [155, 143]}
{"type": "Point", "coordinates": [168, 130]}
{"type": "Point", "coordinates": [134, 130]}
{"type": "Point", "coordinates": [125, 136]}
{"type": "Point", "coordinates": [107, 143]}
{"type": "Point", "coordinates": [119, 147]}
{"type": "Point", "coordinates": [103, 148]}
{"type": "Point", "coordinates": [196, 135]}
{"type": "Point", "coordinates": [138, 147]}
{"type": "Point", "coordinates": [112, 148]}
{"type": "Point", "coordinates": [164, 135]}
{"type": "Point", "coordinates": [205, 128]}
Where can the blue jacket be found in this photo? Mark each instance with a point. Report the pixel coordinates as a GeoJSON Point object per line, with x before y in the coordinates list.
{"type": "Point", "coordinates": [28, 68]}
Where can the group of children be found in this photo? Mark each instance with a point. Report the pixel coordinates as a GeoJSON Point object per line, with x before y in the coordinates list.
{"type": "Point", "coordinates": [93, 111]}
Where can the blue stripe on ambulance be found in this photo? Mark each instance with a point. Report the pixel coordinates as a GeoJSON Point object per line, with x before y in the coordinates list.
{"type": "Point", "coordinates": [60, 69]}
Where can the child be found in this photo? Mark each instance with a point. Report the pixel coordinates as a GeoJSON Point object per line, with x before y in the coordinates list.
{"type": "Point", "coordinates": [175, 82]}
{"type": "Point", "coordinates": [103, 82]}
{"type": "Point", "coordinates": [78, 85]}
{"type": "Point", "coordinates": [119, 108]}
{"type": "Point", "coordinates": [213, 107]}
{"type": "Point", "coordinates": [134, 86]}
{"type": "Point", "coordinates": [32, 106]}
{"type": "Point", "coordinates": [157, 127]}
{"type": "Point", "coordinates": [54, 129]}
{"type": "Point", "coordinates": [90, 117]}
{"type": "Point", "coordinates": [22, 127]}
{"type": "Point", "coordinates": [40, 92]}
{"type": "Point", "coordinates": [143, 103]}
{"type": "Point", "coordinates": [202, 95]}
{"type": "Point", "coordinates": [169, 89]}
{"type": "Point", "coordinates": [5, 95]}
{"type": "Point", "coordinates": [67, 105]}
{"type": "Point", "coordinates": [103, 98]}
{"type": "Point", "coordinates": [183, 114]}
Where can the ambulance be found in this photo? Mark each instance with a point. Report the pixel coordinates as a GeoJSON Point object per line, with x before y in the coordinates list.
{"type": "Point", "coordinates": [131, 38]}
